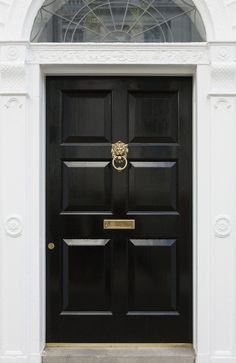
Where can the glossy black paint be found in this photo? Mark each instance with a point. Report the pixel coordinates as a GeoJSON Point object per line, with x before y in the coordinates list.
{"type": "Point", "coordinates": [119, 285]}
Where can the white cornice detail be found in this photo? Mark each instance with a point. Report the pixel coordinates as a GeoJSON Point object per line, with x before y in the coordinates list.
{"type": "Point", "coordinates": [120, 53]}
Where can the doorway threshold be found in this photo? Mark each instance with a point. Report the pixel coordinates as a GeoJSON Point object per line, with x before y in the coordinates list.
{"type": "Point", "coordinates": [118, 353]}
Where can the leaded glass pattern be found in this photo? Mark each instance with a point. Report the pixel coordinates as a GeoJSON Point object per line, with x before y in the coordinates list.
{"type": "Point", "coordinates": [136, 21]}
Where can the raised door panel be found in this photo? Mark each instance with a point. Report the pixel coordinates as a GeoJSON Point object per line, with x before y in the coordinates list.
{"type": "Point", "coordinates": [153, 186]}
{"type": "Point", "coordinates": [152, 276]}
{"type": "Point", "coordinates": [153, 117]}
{"type": "Point", "coordinates": [86, 276]}
{"type": "Point", "coordinates": [86, 186]}
{"type": "Point", "coordinates": [86, 116]}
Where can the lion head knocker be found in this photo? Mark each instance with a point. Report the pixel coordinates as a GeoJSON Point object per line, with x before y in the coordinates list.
{"type": "Point", "coordinates": [119, 152]}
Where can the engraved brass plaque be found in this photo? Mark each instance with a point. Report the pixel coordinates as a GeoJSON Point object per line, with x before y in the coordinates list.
{"type": "Point", "coordinates": [119, 224]}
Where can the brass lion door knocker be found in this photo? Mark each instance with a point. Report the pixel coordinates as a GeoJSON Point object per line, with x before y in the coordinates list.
{"type": "Point", "coordinates": [119, 152]}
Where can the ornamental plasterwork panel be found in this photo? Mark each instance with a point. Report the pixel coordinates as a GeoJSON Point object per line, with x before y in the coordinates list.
{"type": "Point", "coordinates": [13, 78]}
{"type": "Point", "coordinates": [223, 77]}
{"type": "Point", "coordinates": [223, 103]}
{"type": "Point", "coordinates": [12, 68]}
{"type": "Point", "coordinates": [223, 53]}
{"type": "Point", "coordinates": [132, 54]}
{"type": "Point", "coordinates": [120, 54]}
{"type": "Point", "coordinates": [13, 53]}
{"type": "Point", "coordinates": [13, 103]}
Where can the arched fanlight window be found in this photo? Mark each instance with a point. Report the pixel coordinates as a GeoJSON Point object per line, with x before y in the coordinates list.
{"type": "Point", "coordinates": [118, 21]}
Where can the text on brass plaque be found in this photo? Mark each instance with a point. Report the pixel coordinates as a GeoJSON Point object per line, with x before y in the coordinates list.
{"type": "Point", "coordinates": [119, 224]}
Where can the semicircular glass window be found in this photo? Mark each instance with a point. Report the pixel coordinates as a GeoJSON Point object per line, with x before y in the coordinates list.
{"type": "Point", "coordinates": [136, 21]}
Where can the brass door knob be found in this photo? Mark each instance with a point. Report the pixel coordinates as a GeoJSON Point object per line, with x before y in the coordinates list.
{"type": "Point", "coordinates": [51, 246]}
{"type": "Point", "coordinates": [119, 152]}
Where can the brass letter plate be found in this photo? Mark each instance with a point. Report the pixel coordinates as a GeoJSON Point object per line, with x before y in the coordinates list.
{"type": "Point", "coordinates": [119, 224]}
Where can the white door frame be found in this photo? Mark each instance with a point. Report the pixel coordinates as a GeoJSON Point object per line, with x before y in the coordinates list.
{"type": "Point", "coordinates": [23, 67]}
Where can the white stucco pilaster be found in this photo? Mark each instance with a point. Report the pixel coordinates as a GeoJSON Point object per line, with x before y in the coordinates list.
{"type": "Point", "coordinates": [13, 165]}
{"type": "Point", "coordinates": [202, 213]}
{"type": "Point", "coordinates": [223, 205]}
{"type": "Point", "coordinates": [21, 285]}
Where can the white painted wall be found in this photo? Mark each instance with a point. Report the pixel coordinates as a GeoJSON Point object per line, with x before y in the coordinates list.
{"type": "Point", "coordinates": [22, 169]}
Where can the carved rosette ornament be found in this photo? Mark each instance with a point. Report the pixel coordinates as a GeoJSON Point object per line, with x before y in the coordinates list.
{"type": "Point", "coordinates": [222, 226]}
{"type": "Point", "coordinates": [13, 226]}
{"type": "Point", "coordinates": [12, 53]}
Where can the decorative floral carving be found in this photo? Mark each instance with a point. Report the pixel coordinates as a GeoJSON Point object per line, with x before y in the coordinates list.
{"type": "Point", "coordinates": [223, 53]}
{"type": "Point", "coordinates": [13, 102]}
{"type": "Point", "coordinates": [222, 226]}
{"type": "Point", "coordinates": [222, 103]}
{"type": "Point", "coordinates": [120, 56]}
{"type": "Point", "coordinates": [13, 226]}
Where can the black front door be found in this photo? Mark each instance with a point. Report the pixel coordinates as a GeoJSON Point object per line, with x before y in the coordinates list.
{"type": "Point", "coordinates": [119, 284]}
